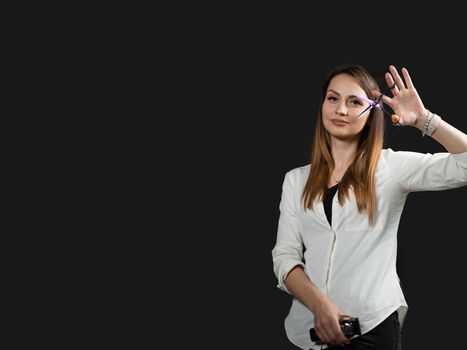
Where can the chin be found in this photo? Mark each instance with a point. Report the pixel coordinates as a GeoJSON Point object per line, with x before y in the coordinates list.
{"type": "Point", "coordinates": [343, 135]}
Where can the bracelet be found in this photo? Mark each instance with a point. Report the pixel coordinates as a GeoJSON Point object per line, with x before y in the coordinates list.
{"type": "Point", "coordinates": [431, 123]}
{"type": "Point", "coordinates": [427, 122]}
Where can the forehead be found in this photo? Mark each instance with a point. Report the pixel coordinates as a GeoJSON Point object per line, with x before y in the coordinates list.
{"type": "Point", "coordinates": [345, 85]}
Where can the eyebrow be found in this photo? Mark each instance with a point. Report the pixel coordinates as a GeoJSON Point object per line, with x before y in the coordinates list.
{"type": "Point", "coordinates": [338, 94]}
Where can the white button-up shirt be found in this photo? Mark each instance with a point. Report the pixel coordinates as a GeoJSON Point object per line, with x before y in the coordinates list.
{"type": "Point", "coordinates": [354, 264]}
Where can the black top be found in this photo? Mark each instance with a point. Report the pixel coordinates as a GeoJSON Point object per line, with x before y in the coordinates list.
{"type": "Point", "coordinates": [327, 201]}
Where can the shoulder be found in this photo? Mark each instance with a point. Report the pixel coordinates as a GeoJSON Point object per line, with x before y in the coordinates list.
{"type": "Point", "coordinates": [299, 172]}
{"type": "Point", "coordinates": [298, 176]}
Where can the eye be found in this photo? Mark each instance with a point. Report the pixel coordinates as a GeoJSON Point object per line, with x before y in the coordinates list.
{"type": "Point", "coordinates": [331, 98]}
{"type": "Point", "coordinates": [356, 102]}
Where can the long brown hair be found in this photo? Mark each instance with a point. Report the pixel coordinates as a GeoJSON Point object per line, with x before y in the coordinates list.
{"type": "Point", "coordinates": [361, 173]}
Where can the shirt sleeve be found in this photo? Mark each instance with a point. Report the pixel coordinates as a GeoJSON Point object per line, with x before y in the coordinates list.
{"type": "Point", "coordinates": [288, 250]}
{"type": "Point", "coordinates": [428, 172]}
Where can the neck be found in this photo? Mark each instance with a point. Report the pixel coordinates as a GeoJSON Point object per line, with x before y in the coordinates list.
{"type": "Point", "coordinates": [343, 152]}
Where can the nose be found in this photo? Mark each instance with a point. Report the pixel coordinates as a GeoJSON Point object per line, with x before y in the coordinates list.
{"type": "Point", "coordinates": [342, 109]}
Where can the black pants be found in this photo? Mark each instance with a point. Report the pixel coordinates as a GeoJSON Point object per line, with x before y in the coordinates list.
{"type": "Point", "coordinates": [385, 336]}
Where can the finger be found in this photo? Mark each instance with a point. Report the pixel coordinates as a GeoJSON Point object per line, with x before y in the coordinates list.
{"type": "Point", "coordinates": [401, 122]}
{"type": "Point", "coordinates": [338, 335]}
{"type": "Point", "coordinates": [388, 101]}
{"type": "Point", "coordinates": [407, 79]}
{"type": "Point", "coordinates": [329, 334]}
{"type": "Point", "coordinates": [335, 331]}
{"type": "Point", "coordinates": [385, 99]}
{"type": "Point", "coordinates": [320, 335]}
{"type": "Point", "coordinates": [396, 77]}
{"type": "Point", "coordinates": [323, 336]}
{"type": "Point", "coordinates": [321, 332]}
{"type": "Point", "coordinates": [392, 84]}
{"type": "Point", "coordinates": [375, 93]}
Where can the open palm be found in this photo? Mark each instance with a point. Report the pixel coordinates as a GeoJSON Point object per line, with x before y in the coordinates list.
{"type": "Point", "coordinates": [405, 101]}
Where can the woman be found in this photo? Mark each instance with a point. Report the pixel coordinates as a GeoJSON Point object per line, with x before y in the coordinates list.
{"type": "Point", "coordinates": [336, 255]}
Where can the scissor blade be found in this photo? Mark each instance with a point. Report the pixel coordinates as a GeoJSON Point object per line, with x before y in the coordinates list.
{"type": "Point", "coordinates": [369, 107]}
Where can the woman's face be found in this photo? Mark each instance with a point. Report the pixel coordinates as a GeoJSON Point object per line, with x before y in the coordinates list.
{"type": "Point", "coordinates": [341, 107]}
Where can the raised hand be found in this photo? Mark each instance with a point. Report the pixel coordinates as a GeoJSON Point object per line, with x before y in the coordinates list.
{"type": "Point", "coordinates": [406, 102]}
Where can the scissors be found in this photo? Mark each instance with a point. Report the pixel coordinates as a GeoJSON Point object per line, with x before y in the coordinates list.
{"type": "Point", "coordinates": [377, 103]}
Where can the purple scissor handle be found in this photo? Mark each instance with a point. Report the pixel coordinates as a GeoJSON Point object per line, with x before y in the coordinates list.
{"type": "Point", "coordinates": [376, 103]}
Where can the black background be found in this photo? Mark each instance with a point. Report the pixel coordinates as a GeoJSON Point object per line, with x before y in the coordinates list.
{"type": "Point", "coordinates": [249, 108]}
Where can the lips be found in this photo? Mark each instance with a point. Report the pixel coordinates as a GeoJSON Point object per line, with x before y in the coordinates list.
{"type": "Point", "coordinates": [339, 121]}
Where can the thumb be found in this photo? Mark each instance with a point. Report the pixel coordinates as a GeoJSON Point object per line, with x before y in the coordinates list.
{"type": "Point", "coordinates": [387, 100]}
